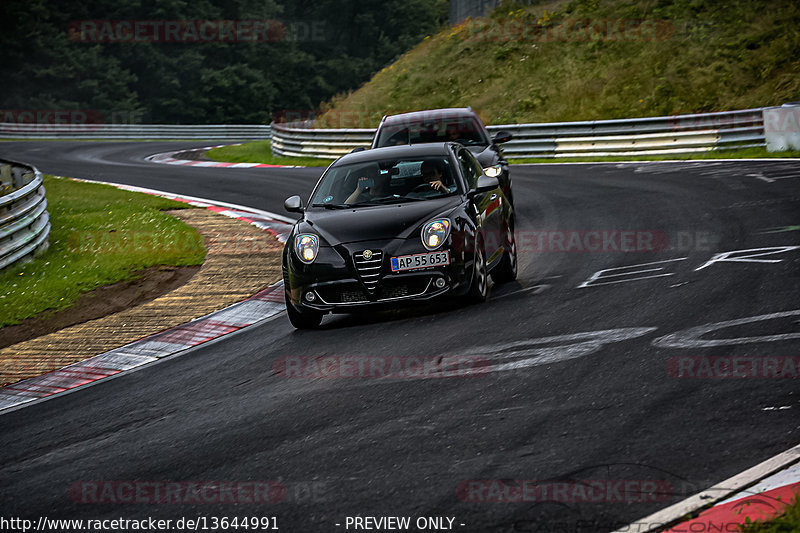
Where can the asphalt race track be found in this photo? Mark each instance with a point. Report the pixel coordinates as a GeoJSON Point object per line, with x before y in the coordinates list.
{"type": "Point", "coordinates": [589, 368]}
{"type": "Point", "coordinates": [124, 163]}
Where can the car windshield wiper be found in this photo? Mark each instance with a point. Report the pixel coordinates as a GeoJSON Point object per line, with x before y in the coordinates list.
{"type": "Point", "coordinates": [332, 206]}
{"type": "Point", "coordinates": [410, 199]}
{"type": "Point", "coordinates": [392, 200]}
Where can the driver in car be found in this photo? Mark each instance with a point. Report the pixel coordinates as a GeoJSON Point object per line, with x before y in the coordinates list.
{"type": "Point", "coordinates": [432, 173]}
{"type": "Point", "coordinates": [451, 133]}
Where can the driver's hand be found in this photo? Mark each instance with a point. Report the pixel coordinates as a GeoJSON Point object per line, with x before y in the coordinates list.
{"type": "Point", "coordinates": [438, 185]}
{"type": "Point", "coordinates": [362, 183]}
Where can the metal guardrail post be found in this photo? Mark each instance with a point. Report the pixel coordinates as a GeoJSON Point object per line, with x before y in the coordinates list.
{"type": "Point", "coordinates": [6, 179]}
{"type": "Point", "coordinates": [782, 127]}
{"type": "Point", "coordinates": [24, 222]}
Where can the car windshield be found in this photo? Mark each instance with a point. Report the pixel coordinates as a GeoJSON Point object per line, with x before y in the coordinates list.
{"type": "Point", "coordinates": [385, 181]}
{"type": "Point", "coordinates": [464, 130]}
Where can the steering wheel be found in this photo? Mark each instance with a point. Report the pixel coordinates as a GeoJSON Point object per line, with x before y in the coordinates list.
{"type": "Point", "coordinates": [422, 187]}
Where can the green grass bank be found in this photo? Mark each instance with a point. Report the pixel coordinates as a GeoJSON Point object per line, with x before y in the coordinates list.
{"type": "Point", "coordinates": [100, 235]}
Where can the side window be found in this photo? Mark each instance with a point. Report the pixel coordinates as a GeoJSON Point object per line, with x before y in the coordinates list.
{"type": "Point", "coordinates": [469, 168]}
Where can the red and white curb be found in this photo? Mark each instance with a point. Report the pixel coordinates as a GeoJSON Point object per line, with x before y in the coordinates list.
{"type": "Point", "coordinates": [261, 306]}
{"type": "Point", "coordinates": [765, 501]}
{"type": "Point", "coordinates": [757, 494]}
{"type": "Point", "coordinates": [168, 158]}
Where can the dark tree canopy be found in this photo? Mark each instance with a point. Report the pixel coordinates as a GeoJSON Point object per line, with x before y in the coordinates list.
{"type": "Point", "coordinates": [62, 55]}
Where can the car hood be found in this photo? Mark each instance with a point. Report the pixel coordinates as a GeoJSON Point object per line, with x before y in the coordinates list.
{"type": "Point", "coordinates": [484, 154]}
{"type": "Point", "coordinates": [375, 222]}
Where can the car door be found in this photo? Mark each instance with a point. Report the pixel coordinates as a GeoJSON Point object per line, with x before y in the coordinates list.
{"type": "Point", "coordinates": [489, 206]}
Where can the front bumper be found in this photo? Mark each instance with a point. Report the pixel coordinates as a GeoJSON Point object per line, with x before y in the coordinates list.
{"type": "Point", "coordinates": [349, 294]}
{"type": "Point", "coordinates": [334, 283]}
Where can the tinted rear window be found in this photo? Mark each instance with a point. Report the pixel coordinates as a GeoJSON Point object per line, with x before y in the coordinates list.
{"type": "Point", "coordinates": [464, 130]}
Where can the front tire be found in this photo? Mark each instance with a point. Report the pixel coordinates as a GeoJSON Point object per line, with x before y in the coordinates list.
{"type": "Point", "coordinates": [507, 269]}
{"type": "Point", "coordinates": [302, 319]}
{"type": "Point", "coordinates": [479, 288]}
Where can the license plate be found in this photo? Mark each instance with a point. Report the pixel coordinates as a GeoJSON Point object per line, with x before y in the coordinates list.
{"type": "Point", "coordinates": [410, 262]}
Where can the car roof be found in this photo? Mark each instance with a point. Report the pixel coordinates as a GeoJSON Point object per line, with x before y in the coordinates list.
{"type": "Point", "coordinates": [431, 114]}
{"type": "Point", "coordinates": [401, 151]}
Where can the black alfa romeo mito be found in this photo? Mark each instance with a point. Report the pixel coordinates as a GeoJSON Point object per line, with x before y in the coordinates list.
{"type": "Point", "coordinates": [393, 225]}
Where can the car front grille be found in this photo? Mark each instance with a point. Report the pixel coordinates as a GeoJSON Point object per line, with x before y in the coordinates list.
{"type": "Point", "coordinates": [351, 296]}
{"type": "Point", "coordinates": [399, 288]}
{"type": "Point", "coordinates": [389, 289]}
{"type": "Point", "coordinates": [369, 270]}
{"type": "Point", "coordinates": [345, 293]}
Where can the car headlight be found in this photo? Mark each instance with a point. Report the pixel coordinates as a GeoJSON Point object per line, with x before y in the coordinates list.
{"type": "Point", "coordinates": [306, 247]}
{"type": "Point", "coordinates": [493, 171]}
{"type": "Point", "coordinates": [435, 232]}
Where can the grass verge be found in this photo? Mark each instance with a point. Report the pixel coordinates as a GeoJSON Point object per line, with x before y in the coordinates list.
{"type": "Point", "coordinates": [565, 60]}
{"type": "Point", "coordinates": [788, 522]}
{"type": "Point", "coordinates": [748, 153]}
{"type": "Point", "coordinates": [260, 152]}
{"type": "Point", "coordinates": [99, 235]}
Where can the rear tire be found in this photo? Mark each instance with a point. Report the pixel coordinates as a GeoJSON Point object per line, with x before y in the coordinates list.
{"type": "Point", "coordinates": [507, 269]}
{"type": "Point", "coordinates": [479, 288]}
{"type": "Point", "coordinates": [302, 319]}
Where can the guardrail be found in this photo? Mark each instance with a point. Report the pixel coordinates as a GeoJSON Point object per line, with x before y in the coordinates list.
{"type": "Point", "coordinates": [24, 222]}
{"type": "Point", "coordinates": [676, 134]}
{"type": "Point", "coordinates": [220, 132]}
{"type": "Point", "coordinates": [300, 140]}
{"type": "Point", "coordinates": [624, 137]}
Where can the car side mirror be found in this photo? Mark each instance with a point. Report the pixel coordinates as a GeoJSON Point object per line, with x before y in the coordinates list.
{"type": "Point", "coordinates": [502, 136]}
{"type": "Point", "coordinates": [293, 204]}
{"type": "Point", "coordinates": [358, 149]}
{"type": "Point", "coordinates": [486, 183]}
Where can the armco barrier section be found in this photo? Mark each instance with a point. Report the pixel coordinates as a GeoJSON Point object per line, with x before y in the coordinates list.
{"type": "Point", "coordinates": [24, 222]}
{"type": "Point", "coordinates": [222, 132]}
{"type": "Point", "coordinates": [299, 140]}
{"type": "Point", "coordinates": [638, 136]}
{"type": "Point", "coordinates": [624, 137]}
